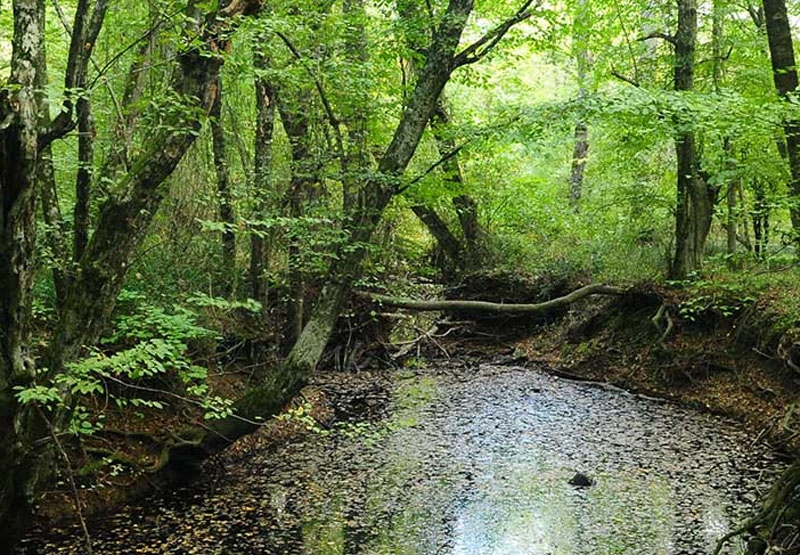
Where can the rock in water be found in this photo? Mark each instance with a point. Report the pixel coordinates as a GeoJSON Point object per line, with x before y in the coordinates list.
{"type": "Point", "coordinates": [756, 546]}
{"type": "Point", "coordinates": [581, 480]}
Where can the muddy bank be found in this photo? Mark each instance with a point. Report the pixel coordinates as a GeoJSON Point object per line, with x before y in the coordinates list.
{"type": "Point", "coordinates": [468, 457]}
{"type": "Point", "coordinates": [728, 365]}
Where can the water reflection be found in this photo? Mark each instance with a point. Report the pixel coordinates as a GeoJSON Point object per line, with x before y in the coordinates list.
{"type": "Point", "coordinates": [493, 480]}
{"type": "Point", "coordinates": [472, 462]}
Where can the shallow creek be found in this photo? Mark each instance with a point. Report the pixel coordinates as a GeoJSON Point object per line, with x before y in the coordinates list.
{"type": "Point", "coordinates": [471, 460]}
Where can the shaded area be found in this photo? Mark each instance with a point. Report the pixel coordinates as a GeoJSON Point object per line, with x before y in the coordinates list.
{"type": "Point", "coordinates": [472, 459]}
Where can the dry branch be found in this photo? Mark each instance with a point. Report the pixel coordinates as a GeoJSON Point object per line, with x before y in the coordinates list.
{"type": "Point", "coordinates": [498, 308]}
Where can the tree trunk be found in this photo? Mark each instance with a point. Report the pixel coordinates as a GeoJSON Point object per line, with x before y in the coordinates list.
{"type": "Point", "coordinates": [695, 201]}
{"type": "Point", "coordinates": [718, 74]}
{"type": "Point", "coordinates": [580, 151]}
{"type": "Point", "coordinates": [497, 308]}
{"type": "Point", "coordinates": [356, 110]}
{"type": "Point", "coordinates": [83, 180]}
{"type": "Point", "coordinates": [19, 136]}
{"type": "Point", "coordinates": [260, 243]}
{"type": "Point", "coordinates": [732, 228]}
{"type": "Point", "coordinates": [375, 196]}
{"type": "Point", "coordinates": [448, 242]}
{"type": "Point", "coordinates": [297, 126]}
{"type": "Point", "coordinates": [465, 205]}
{"type": "Point", "coordinates": [457, 255]}
{"type": "Point", "coordinates": [228, 238]}
{"type": "Point", "coordinates": [784, 73]}
{"type": "Point", "coordinates": [123, 220]}
{"type": "Point", "coordinates": [760, 219]}
{"type": "Point", "coordinates": [56, 234]}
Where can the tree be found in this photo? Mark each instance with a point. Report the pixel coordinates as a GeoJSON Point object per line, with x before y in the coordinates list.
{"type": "Point", "coordinates": [695, 199]}
{"type": "Point", "coordinates": [784, 72]}
{"type": "Point", "coordinates": [260, 244]}
{"type": "Point", "coordinates": [459, 254]}
{"type": "Point", "coordinates": [226, 216]}
{"type": "Point", "coordinates": [581, 146]}
{"type": "Point", "coordinates": [441, 60]}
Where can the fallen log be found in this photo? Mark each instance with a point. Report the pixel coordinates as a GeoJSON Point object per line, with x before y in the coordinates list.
{"type": "Point", "coordinates": [497, 308]}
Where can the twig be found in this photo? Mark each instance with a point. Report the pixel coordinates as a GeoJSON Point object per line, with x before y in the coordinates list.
{"type": "Point", "coordinates": [773, 270]}
{"type": "Point", "coordinates": [71, 478]}
{"type": "Point", "coordinates": [621, 77]}
{"type": "Point", "coordinates": [181, 397]}
{"type": "Point", "coordinates": [432, 167]}
{"type": "Point", "coordinates": [483, 45]}
{"type": "Point", "coordinates": [430, 335]}
{"type": "Point", "coordinates": [332, 119]}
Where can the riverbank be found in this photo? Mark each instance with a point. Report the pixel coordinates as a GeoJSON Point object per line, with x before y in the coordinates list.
{"type": "Point", "coordinates": [458, 454]}
{"type": "Point", "coordinates": [713, 353]}
{"type": "Point", "coordinates": [710, 355]}
{"type": "Point", "coordinates": [714, 362]}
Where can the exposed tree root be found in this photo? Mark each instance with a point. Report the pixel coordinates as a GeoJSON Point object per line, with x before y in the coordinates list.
{"type": "Point", "coordinates": [773, 508]}
{"type": "Point", "coordinates": [662, 316]}
{"type": "Point", "coordinates": [498, 308]}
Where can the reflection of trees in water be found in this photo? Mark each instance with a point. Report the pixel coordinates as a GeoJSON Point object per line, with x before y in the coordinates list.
{"type": "Point", "coordinates": [367, 503]}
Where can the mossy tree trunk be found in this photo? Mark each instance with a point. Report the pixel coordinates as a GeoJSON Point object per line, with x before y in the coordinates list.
{"type": "Point", "coordinates": [580, 150]}
{"type": "Point", "coordinates": [19, 149]}
{"type": "Point", "coordinates": [260, 241]}
{"type": "Point", "coordinates": [224, 195]}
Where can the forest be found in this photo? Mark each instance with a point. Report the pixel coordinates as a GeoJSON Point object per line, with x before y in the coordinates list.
{"type": "Point", "coordinates": [341, 243]}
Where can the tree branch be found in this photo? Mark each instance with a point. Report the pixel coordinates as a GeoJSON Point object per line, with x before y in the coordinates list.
{"type": "Point", "coordinates": [85, 30]}
{"type": "Point", "coordinates": [432, 167]}
{"type": "Point", "coordinates": [332, 119]}
{"type": "Point", "coordinates": [497, 308]}
{"type": "Point", "coordinates": [626, 79]}
{"type": "Point", "coordinates": [663, 36]}
{"type": "Point", "coordinates": [483, 45]}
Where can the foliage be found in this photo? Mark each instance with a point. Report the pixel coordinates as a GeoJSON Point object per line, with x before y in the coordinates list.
{"type": "Point", "coordinates": [147, 360]}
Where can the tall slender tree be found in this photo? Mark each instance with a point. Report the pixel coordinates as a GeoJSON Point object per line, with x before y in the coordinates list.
{"type": "Point", "coordinates": [694, 206]}
{"type": "Point", "coordinates": [224, 194]}
{"type": "Point", "coordinates": [784, 73]}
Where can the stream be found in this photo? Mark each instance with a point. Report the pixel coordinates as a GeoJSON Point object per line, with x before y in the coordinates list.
{"type": "Point", "coordinates": [470, 459]}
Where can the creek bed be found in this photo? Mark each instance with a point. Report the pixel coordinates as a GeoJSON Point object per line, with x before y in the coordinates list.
{"type": "Point", "coordinates": [472, 459]}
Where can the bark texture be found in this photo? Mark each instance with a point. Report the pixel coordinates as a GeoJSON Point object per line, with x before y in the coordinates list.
{"type": "Point", "coordinates": [784, 73]}
{"type": "Point", "coordinates": [224, 196]}
{"type": "Point", "coordinates": [695, 201]}
{"type": "Point", "coordinates": [260, 240]}
{"type": "Point", "coordinates": [580, 150]}
{"type": "Point", "coordinates": [19, 148]}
